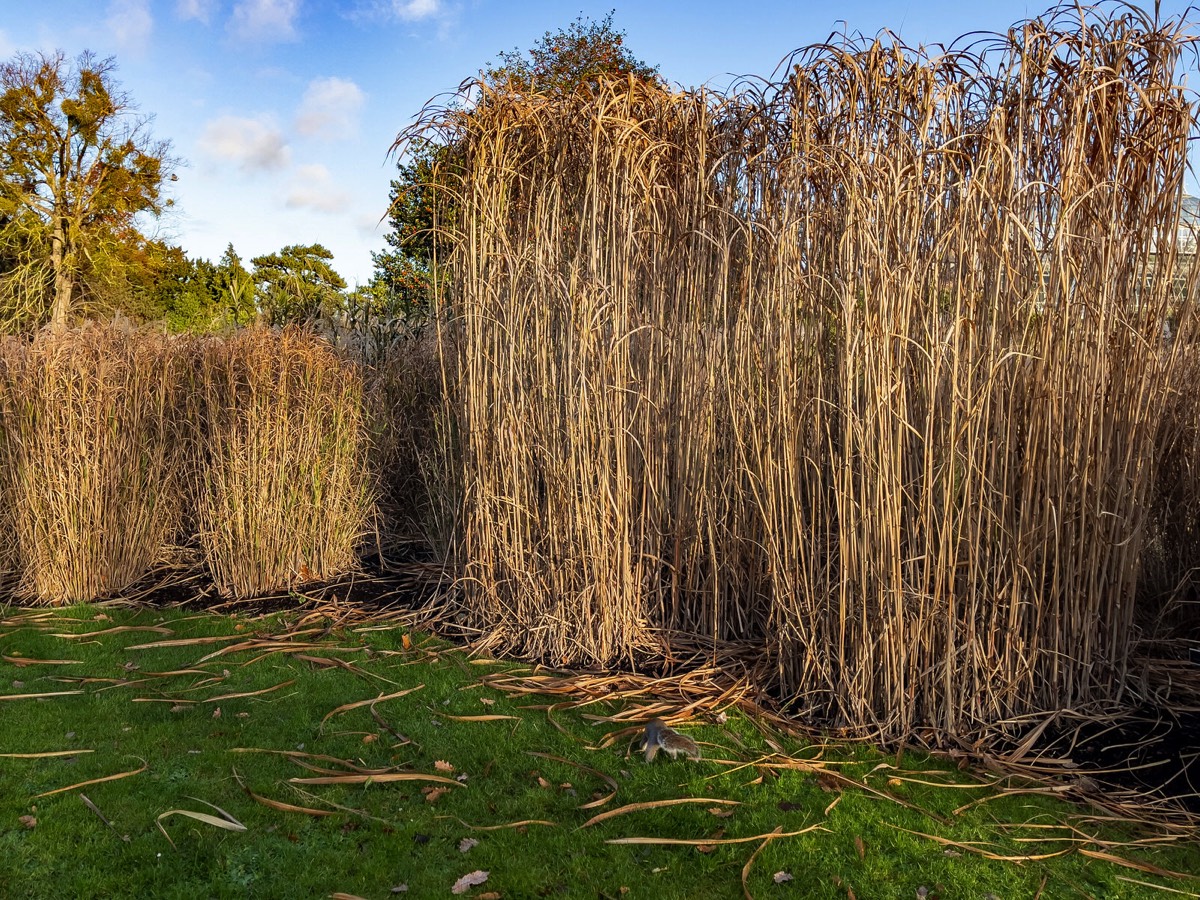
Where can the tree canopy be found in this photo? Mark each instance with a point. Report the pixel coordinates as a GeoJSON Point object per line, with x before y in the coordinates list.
{"type": "Point", "coordinates": [77, 167]}
{"type": "Point", "coordinates": [297, 284]}
{"type": "Point", "coordinates": [561, 61]}
{"type": "Point", "coordinates": [583, 53]}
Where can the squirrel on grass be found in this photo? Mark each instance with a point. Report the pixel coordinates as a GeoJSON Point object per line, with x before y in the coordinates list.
{"type": "Point", "coordinates": [660, 735]}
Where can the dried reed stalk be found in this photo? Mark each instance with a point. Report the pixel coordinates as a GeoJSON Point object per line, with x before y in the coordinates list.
{"type": "Point", "coordinates": [864, 364]}
{"type": "Point", "coordinates": [92, 420]}
{"type": "Point", "coordinates": [282, 488]}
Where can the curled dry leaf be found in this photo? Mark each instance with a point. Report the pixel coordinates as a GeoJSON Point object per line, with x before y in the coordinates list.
{"type": "Point", "coordinates": [468, 881]}
{"type": "Point", "coordinates": [433, 794]}
{"type": "Point", "coordinates": [28, 821]}
{"type": "Point", "coordinates": [217, 713]}
{"type": "Point", "coordinates": [860, 847]}
{"type": "Point", "coordinates": [781, 877]}
{"type": "Point", "coordinates": [466, 844]}
{"type": "Point", "coordinates": [720, 813]}
{"type": "Point", "coordinates": [442, 766]}
{"type": "Point", "coordinates": [488, 895]}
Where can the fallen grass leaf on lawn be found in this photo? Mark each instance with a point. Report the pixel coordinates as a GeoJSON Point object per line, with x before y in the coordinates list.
{"type": "Point", "coordinates": [22, 661]}
{"type": "Point", "coordinates": [653, 804]}
{"type": "Point", "coordinates": [375, 778]}
{"type": "Point", "coordinates": [226, 821]}
{"type": "Point", "coordinates": [38, 696]}
{"type": "Point", "coordinates": [522, 824]}
{"type": "Point", "coordinates": [346, 707]}
{"type": "Point", "coordinates": [71, 787]}
{"type": "Point", "coordinates": [238, 696]}
{"type": "Point", "coordinates": [279, 804]}
{"type": "Point", "coordinates": [185, 642]}
{"type": "Point", "coordinates": [1148, 868]}
{"type": "Point", "coordinates": [489, 718]}
{"type": "Point", "coordinates": [685, 842]}
{"type": "Point", "coordinates": [753, 856]}
{"type": "Point", "coordinates": [46, 755]}
{"type": "Point", "coordinates": [94, 808]}
{"type": "Point", "coordinates": [157, 629]}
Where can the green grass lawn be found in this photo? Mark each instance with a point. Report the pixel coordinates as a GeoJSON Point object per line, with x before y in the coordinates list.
{"type": "Point", "coordinates": [171, 716]}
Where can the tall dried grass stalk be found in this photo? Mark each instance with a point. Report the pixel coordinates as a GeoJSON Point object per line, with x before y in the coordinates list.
{"type": "Point", "coordinates": [283, 486]}
{"type": "Point", "coordinates": [92, 420]}
{"type": "Point", "coordinates": [864, 363]}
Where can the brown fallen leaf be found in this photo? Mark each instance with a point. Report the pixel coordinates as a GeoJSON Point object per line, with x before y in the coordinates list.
{"type": "Point", "coordinates": [466, 844]}
{"type": "Point", "coordinates": [542, 782]}
{"type": "Point", "coordinates": [488, 895]}
{"type": "Point", "coordinates": [468, 881]}
{"type": "Point", "coordinates": [860, 847]}
{"type": "Point", "coordinates": [217, 713]}
{"type": "Point", "coordinates": [442, 766]}
{"type": "Point", "coordinates": [781, 877]}
{"type": "Point", "coordinates": [720, 813]}
{"type": "Point", "coordinates": [433, 794]}
{"type": "Point", "coordinates": [828, 783]}
{"type": "Point", "coordinates": [28, 821]}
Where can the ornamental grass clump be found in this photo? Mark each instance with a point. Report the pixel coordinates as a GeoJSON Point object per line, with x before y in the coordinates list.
{"type": "Point", "coordinates": [863, 365]}
{"type": "Point", "coordinates": [93, 457]}
{"type": "Point", "coordinates": [282, 486]}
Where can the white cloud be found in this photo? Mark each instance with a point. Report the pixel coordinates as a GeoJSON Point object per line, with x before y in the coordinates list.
{"type": "Point", "coordinates": [253, 144]}
{"type": "Point", "coordinates": [330, 108]}
{"type": "Point", "coordinates": [415, 10]}
{"type": "Point", "coordinates": [200, 10]}
{"type": "Point", "coordinates": [130, 22]}
{"type": "Point", "coordinates": [402, 10]}
{"type": "Point", "coordinates": [264, 20]}
{"type": "Point", "coordinates": [313, 187]}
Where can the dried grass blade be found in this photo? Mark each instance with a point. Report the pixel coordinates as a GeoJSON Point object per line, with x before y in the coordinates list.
{"type": "Point", "coordinates": [682, 842]}
{"type": "Point", "coordinates": [48, 754]}
{"type": "Point", "coordinates": [380, 778]}
{"type": "Point", "coordinates": [346, 707]}
{"type": "Point", "coordinates": [92, 806]}
{"type": "Point", "coordinates": [1148, 868]}
{"type": "Point", "coordinates": [21, 661]}
{"type": "Point", "coordinates": [257, 693]}
{"type": "Point", "coordinates": [71, 787]}
{"type": "Point", "coordinates": [654, 804]}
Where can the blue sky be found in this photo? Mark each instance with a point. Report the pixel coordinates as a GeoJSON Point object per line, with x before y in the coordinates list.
{"type": "Point", "coordinates": [283, 111]}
